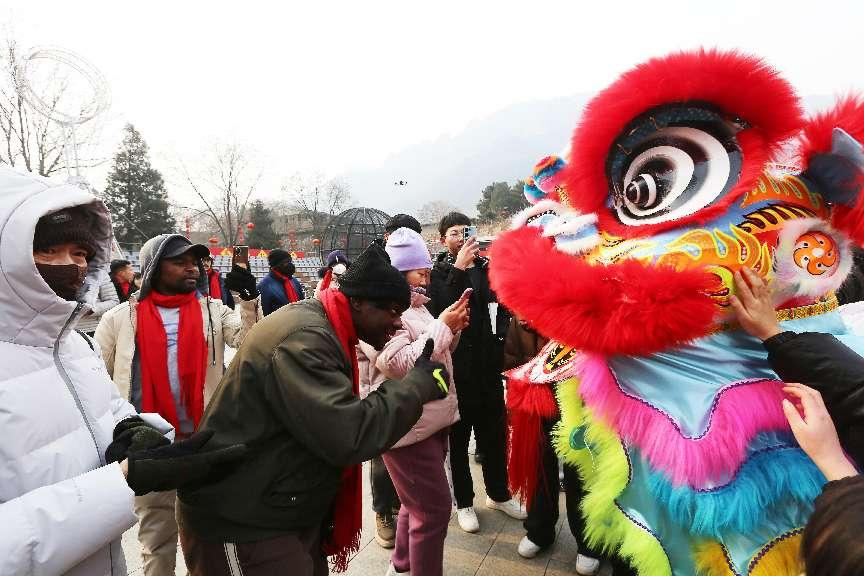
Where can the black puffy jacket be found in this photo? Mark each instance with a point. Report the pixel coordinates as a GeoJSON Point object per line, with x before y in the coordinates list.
{"type": "Point", "coordinates": [479, 358]}
{"type": "Point", "coordinates": [836, 371]}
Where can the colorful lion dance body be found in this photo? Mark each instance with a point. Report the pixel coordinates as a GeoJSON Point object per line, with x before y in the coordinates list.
{"type": "Point", "coordinates": [625, 260]}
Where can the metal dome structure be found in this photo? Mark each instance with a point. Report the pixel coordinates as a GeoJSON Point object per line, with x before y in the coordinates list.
{"type": "Point", "coordinates": [352, 231]}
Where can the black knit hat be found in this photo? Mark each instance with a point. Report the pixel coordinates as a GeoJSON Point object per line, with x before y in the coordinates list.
{"type": "Point", "coordinates": [74, 224]}
{"type": "Point", "coordinates": [371, 277]}
{"type": "Point", "coordinates": [403, 221]}
{"type": "Point", "coordinates": [277, 256]}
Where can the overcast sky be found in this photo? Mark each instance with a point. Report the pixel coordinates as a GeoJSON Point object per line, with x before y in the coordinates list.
{"type": "Point", "coordinates": [338, 86]}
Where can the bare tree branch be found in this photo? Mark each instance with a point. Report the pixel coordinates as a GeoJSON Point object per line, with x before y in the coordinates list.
{"type": "Point", "coordinates": [317, 199]}
{"type": "Point", "coordinates": [225, 188]}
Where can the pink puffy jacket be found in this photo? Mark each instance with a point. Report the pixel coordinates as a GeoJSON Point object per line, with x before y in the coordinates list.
{"type": "Point", "coordinates": [397, 358]}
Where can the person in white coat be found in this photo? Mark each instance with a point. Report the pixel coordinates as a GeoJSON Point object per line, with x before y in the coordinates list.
{"type": "Point", "coordinates": [63, 506]}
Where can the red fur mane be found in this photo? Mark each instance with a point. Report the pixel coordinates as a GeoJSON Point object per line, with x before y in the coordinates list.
{"type": "Point", "coordinates": [626, 308]}
{"type": "Point", "coordinates": [815, 139]}
{"type": "Point", "coordinates": [739, 85]}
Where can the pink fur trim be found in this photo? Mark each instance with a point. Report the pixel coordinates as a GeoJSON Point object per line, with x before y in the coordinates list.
{"type": "Point", "coordinates": [739, 412]}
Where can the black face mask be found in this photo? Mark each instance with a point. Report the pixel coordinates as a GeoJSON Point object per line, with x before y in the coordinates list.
{"type": "Point", "coordinates": [64, 279]}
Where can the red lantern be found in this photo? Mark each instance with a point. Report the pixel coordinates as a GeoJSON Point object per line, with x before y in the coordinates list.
{"type": "Point", "coordinates": [213, 240]}
{"type": "Point", "coordinates": [250, 226]}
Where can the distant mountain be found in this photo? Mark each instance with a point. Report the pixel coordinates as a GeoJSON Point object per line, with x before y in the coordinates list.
{"type": "Point", "coordinates": [502, 147]}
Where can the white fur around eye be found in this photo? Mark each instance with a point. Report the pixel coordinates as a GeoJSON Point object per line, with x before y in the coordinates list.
{"type": "Point", "coordinates": [790, 279]}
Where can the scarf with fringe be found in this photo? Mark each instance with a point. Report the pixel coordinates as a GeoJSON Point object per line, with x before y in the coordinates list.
{"type": "Point", "coordinates": [344, 539]}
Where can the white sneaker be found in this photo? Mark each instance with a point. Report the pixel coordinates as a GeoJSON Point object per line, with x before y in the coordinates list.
{"type": "Point", "coordinates": [512, 508]}
{"type": "Point", "coordinates": [527, 548]}
{"type": "Point", "coordinates": [391, 571]}
{"type": "Point", "coordinates": [586, 566]}
{"type": "Point", "coordinates": [468, 519]}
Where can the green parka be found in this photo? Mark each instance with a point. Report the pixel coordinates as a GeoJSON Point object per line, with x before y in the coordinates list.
{"type": "Point", "coordinates": [288, 396]}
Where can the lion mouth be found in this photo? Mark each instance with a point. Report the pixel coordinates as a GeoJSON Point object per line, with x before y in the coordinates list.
{"type": "Point", "coordinates": [623, 308]}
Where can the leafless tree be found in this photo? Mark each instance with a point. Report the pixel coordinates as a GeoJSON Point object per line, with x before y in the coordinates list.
{"type": "Point", "coordinates": [318, 199]}
{"type": "Point", "coordinates": [28, 139]}
{"type": "Point", "coordinates": [224, 188]}
{"type": "Point", "coordinates": [434, 211]}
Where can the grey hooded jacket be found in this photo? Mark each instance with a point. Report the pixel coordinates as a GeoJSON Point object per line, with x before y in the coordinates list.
{"type": "Point", "coordinates": [223, 326]}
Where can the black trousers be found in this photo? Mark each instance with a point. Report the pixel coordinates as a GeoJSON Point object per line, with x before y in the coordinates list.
{"type": "Point", "coordinates": [384, 499]}
{"type": "Point", "coordinates": [543, 512]}
{"type": "Point", "coordinates": [488, 420]}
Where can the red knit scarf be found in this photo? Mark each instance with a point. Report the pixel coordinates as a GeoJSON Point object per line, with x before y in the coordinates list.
{"type": "Point", "coordinates": [288, 282]}
{"type": "Point", "coordinates": [125, 287]}
{"type": "Point", "coordinates": [215, 289]}
{"type": "Point", "coordinates": [191, 356]}
{"type": "Point", "coordinates": [328, 278]}
{"type": "Point", "coordinates": [348, 506]}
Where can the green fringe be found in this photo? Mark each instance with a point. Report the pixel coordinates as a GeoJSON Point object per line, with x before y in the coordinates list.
{"type": "Point", "coordinates": [605, 471]}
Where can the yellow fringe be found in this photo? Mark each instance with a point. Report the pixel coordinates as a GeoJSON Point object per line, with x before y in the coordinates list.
{"type": "Point", "coordinates": [779, 557]}
{"type": "Point", "coordinates": [605, 471]}
{"type": "Point", "coordinates": [782, 557]}
{"type": "Point", "coordinates": [711, 560]}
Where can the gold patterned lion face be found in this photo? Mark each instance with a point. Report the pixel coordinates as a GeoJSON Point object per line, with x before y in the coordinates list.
{"type": "Point", "coordinates": [748, 235]}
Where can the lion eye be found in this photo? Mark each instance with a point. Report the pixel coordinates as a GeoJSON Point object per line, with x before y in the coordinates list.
{"type": "Point", "coordinates": [674, 173]}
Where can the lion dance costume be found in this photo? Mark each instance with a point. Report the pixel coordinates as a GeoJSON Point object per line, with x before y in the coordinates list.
{"type": "Point", "coordinates": [625, 260]}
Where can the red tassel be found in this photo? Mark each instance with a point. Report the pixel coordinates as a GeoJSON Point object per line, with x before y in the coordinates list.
{"type": "Point", "coordinates": [528, 406]}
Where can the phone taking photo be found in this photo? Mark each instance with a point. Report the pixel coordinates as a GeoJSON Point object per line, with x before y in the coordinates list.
{"type": "Point", "coordinates": [241, 257]}
{"type": "Point", "coordinates": [469, 232]}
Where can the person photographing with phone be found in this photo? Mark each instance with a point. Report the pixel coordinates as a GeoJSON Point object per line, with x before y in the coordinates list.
{"type": "Point", "coordinates": [416, 462]}
{"type": "Point", "coordinates": [477, 365]}
{"type": "Point", "coordinates": [291, 395]}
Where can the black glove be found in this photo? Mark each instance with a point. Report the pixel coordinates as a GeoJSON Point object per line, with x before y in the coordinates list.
{"type": "Point", "coordinates": [242, 281]}
{"type": "Point", "coordinates": [430, 377]}
{"type": "Point", "coordinates": [175, 466]}
{"type": "Point", "coordinates": [132, 435]}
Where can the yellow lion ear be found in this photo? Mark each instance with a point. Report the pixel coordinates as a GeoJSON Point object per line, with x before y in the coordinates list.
{"type": "Point", "coordinates": [837, 174]}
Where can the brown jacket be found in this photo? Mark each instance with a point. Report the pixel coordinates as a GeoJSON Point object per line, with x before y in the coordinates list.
{"type": "Point", "coordinates": [522, 344]}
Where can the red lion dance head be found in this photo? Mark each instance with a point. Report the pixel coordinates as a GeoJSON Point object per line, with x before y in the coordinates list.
{"type": "Point", "coordinates": [670, 187]}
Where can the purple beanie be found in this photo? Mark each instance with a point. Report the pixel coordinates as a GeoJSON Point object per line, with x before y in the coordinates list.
{"type": "Point", "coordinates": [407, 250]}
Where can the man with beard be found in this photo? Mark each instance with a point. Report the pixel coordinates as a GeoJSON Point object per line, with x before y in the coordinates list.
{"type": "Point", "coordinates": [292, 396]}
{"type": "Point", "coordinates": [279, 287]}
{"type": "Point", "coordinates": [164, 349]}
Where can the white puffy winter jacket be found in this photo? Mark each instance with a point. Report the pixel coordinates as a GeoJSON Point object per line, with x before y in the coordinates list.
{"type": "Point", "coordinates": [62, 510]}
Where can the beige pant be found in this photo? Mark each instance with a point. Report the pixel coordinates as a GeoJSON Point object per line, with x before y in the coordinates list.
{"type": "Point", "coordinates": [157, 532]}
